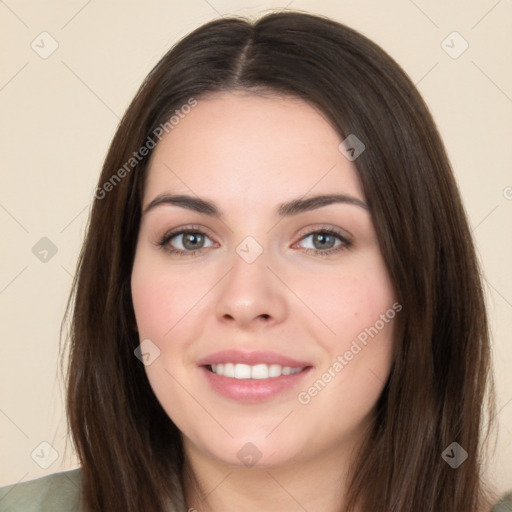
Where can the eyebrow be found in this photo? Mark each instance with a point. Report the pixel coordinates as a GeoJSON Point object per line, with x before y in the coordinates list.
{"type": "Point", "coordinates": [293, 207]}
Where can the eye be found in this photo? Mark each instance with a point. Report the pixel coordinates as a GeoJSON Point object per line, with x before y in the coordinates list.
{"type": "Point", "coordinates": [186, 242]}
{"type": "Point", "coordinates": [191, 240]}
{"type": "Point", "coordinates": [324, 242]}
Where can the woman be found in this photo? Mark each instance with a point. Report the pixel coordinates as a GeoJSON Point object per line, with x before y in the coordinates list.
{"type": "Point", "coordinates": [278, 291]}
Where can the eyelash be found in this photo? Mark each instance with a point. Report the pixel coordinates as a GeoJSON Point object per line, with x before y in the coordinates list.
{"type": "Point", "coordinates": [167, 237]}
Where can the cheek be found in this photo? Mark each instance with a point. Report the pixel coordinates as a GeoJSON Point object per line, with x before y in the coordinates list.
{"type": "Point", "coordinates": [357, 303]}
{"type": "Point", "coordinates": [358, 356]}
{"type": "Point", "coordinates": [162, 303]}
{"type": "Point", "coordinates": [160, 299]}
{"type": "Point", "coordinates": [349, 301]}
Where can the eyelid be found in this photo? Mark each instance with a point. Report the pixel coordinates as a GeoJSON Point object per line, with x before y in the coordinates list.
{"type": "Point", "coordinates": [313, 228]}
{"type": "Point", "coordinates": [196, 228]}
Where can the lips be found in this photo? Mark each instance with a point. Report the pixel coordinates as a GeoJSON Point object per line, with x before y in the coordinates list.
{"type": "Point", "coordinates": [252, 376]}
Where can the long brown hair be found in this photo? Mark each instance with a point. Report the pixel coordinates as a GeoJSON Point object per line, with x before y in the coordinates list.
{"type": "Point", "coordinates": [441, 380]}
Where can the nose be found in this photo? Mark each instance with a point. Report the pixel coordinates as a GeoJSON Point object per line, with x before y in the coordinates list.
{"type": "Point", "coordinates": [251, 295]}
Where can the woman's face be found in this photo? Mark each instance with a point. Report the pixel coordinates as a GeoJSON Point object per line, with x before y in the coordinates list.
{"type": "Point", "coordinates": [287, 297]}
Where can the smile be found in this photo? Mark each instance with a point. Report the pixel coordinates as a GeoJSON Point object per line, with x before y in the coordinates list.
{"type": "Point", "coordinates": [252, 376]}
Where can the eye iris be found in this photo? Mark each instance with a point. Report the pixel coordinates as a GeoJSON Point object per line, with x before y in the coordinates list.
{"type": "Point", "coordinates": [323, 238]}
{"type": "Point", "coordinates": [192, 238]}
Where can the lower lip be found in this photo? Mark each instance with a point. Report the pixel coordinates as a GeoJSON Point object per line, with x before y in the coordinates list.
{"type": "Point", "coordinates": [252, 390]}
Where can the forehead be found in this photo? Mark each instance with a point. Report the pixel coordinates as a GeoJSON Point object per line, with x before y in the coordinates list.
{"type": "Point", "coordinates": [240, 144]}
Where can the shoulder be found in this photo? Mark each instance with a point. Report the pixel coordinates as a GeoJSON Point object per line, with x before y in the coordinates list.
{"type": "Point", "coordinates": [505, 504]}
{"type": "Point", "coordinates": [59, 492]}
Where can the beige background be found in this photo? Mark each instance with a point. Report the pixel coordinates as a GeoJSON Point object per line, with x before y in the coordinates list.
{"type": "Point", "coordinates": [59, 114]}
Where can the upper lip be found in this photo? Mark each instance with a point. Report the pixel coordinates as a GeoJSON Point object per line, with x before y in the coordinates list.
{"type": "Point", "coordinates": [251, 358]}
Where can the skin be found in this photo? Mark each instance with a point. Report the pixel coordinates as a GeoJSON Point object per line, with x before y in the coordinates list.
{"type": "Point", "coordinates": [249, 153]}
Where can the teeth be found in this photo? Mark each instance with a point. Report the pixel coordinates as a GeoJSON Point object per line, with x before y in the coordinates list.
{"type": "Point", "coordinates": [258, 371]}
{"type": "Point", "coordinates": [229, 370]}
{"type": "Point", "coordinates": [242, 371]}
